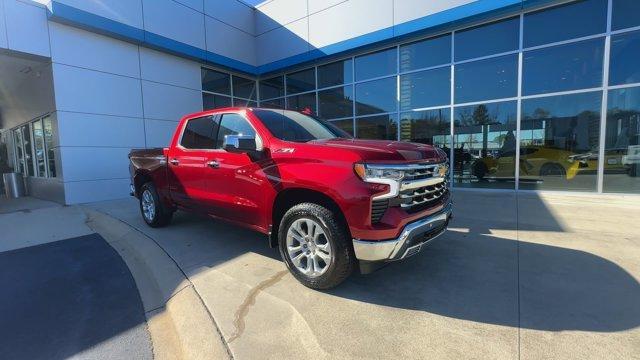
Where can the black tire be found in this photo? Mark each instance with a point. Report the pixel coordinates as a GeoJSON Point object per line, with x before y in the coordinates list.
{"type": "Point", "coordinates": [162, 214]}
{"type": "Point", "coordinates": [552, 169]}
{"type": "Point", "coordinates": [479, 170]}
{"type": "Point", "coordinates": [336, 234]}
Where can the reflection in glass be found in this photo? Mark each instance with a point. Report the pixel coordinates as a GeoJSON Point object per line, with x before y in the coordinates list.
{"type": "Point", "coordinates": [484, 143]}
{"type": "Point", "coordinates": [336, 103]}
{"type": "Point", "coordinates": [431, 127]}
{"type": "Point", "coordinates": [211, 101]}
{"type": "Point", "coordinates": [244, 103]}
{"type": "Point", "coordinates": [377, 64]}
{"type": "Point", "coordinates": [488, 39]}
{"type": "Point", "coordinates": [622, 142]}
{"type": "Point", "coordinates": [425, 53]}
{"type": "Point", "coordinates": [625, 52]}
{"type": "Point", "coordinates": [564, 22]}
{"type": "Point", "coordinates": [381, 127]}
{"type": "Point", "coordinates": [565, 67]}
{"type": "Point", "coordinates": [559, 142]}
{"type": "Point", "coordinates": [425, 88]}
{"type": "Point", "coordinates": [272, 87]}
{"type": "Point", "coordinates": [38, 144]}
{"type": "Point", "coordinates": [336, 73]}
{"type": "Point", "coordinates": [487, 79]}
{"type": "Point", "coordinates": [345, 124]}
{"type": "Point", "coordinates": [301, 81]}
{"type": "Point", "coordinates": [48, 140]}
{"type": "Point", "coordinates": [244, 88]}
{"type": "Point", "coordinates": [215, 81]}
{"type": "Point", "coordinates": [625, 14]}
{"type": "Point", "coordinates": [28, 152]}
{"type": "Point", "coordinates": [305, 103]}
{"type": "Point", "coordinates": [273, 104]}
{"type": "Point", "coordinates": [376, 96]}
{"type": "Point", "coordinates": [17, 140]}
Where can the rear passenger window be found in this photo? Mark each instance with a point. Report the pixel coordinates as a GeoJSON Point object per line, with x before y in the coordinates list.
{"type": "Point", "coordinates": [233, 124]}
{"type": "Point", "coordinates": [200, 133]}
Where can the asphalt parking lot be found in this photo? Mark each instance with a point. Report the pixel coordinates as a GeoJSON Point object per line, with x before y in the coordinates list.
{"type": "Point", "coordinates": [532, 276]}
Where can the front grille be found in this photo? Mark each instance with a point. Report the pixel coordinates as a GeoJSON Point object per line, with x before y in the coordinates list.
{"type": "Point", "coordinates": [378, 208]}
{"type": "Point", "coordinates": [422, 195]}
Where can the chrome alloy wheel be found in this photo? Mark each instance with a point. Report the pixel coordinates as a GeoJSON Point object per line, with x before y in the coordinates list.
{"type": "Point", "coordinates": [148, 205]}
{"type": "Point", "coordinates": [308, 247]}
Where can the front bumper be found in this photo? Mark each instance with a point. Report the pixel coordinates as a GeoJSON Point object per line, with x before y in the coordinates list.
{"type": "Point", "coordinates": [411, 239]}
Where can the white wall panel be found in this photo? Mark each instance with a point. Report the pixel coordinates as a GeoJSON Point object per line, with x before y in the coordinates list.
{"type": "Point", "coordinates": [77, 129]}
{"type": "Point", "coordinates": [174, 21]}
{"type": "Point", "coordinates": [279, 12]}
{"type": "Point", "coordinates": [3, 27]}
{"type": "Point", "coordinates": [93, 92]}
{"type": "Point", "coordinates": [319, 5]}
{"type": "Point", "coordinates": [128, 12]}
{"type": "Point", "coordinates": [98, 190]}
{"type": "Point", "coordinates": [73, 46]}
{"type": "Point", "coordinates": [165, 68]}
{"type": "Point", "coordinates": [27, 27]}
{"type": "Point", "coordinates": [93, 163]}
{"type": "Point", "coordinates": [226, 40]}
{"type": "Point", "coordinates": [283, 42]}
{"type": "Point", "coordinates": [159, 132]}
{"type": "Point", "coordinates": [232, 12]}
{"type": "Point", "coordinates": [348, 20]}
{"type": "Point", "coordinates": [167, 102]}
{"type": "Point", "coordinates": [407, 10]}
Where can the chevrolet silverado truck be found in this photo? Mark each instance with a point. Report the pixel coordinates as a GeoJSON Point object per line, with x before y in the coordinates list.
{"type": "Point", "coordinates": [331, 203]}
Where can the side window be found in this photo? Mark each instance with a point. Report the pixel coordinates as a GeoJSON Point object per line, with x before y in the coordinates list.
{"type": "Point", "coordinates": [233, 124]}
{"type": "Point", "coordinates": [200, 133]}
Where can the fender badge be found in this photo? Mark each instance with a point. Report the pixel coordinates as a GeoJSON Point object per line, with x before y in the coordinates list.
{"type": "Point", "coordinates": [285, 150]}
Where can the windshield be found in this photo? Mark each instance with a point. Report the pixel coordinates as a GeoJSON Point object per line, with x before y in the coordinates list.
{"type": "Point", "coordinates": [294, 126]}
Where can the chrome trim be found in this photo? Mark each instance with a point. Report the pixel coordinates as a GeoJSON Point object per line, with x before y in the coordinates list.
{"type": "Point", "coordinates": [398, 248]}
{"type": "Point", "coordinates": [396, 186]}
{"type": "Point", "coordinates": [415, 184]}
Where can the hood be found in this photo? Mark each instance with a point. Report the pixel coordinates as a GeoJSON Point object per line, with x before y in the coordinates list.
{"type": "Point", "coordinates": [384, 150]}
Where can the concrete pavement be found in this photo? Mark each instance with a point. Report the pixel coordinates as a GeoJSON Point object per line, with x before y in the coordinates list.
{"type": "Point", "coordinates": [532, 276]}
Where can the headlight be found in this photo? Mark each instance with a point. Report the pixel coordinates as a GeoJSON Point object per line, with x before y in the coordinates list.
{"type": "Point", "coordinates": [366, 172]}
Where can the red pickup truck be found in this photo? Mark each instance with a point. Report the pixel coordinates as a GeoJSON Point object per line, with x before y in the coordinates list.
{"type": "Point", "coordinates": [329, 202]}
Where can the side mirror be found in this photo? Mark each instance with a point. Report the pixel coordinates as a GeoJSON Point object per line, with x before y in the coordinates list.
{"type": "Point", "coordinates": [240, 143]}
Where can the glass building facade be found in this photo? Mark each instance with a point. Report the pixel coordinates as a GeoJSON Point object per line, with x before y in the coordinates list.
{"type": "Point", "coordinates": [548, 99]}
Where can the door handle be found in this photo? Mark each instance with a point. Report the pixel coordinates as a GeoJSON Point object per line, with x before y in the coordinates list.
{"type": "Point", "coordinates": [213, 164]}
{"type": "Point", "coordinates": [175, 162]}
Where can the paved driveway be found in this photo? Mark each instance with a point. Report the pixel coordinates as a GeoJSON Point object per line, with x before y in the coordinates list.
{"type": "Point", "coordinates": [516, 277]}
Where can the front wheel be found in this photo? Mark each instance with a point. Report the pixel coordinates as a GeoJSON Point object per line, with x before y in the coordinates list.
{"type": "Point", "coordinates": [153, 211]}
{"type": "Point", "coordinates": [315, 246]}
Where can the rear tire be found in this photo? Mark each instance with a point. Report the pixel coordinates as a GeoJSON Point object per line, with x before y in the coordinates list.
{"type": "Point", "coordinates": [153, 211]}
{"type": "Point", "coordinates": [315, 246]}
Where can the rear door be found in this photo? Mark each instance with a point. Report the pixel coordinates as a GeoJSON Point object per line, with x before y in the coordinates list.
{"type": "Point", "coordinates": [186, 162]}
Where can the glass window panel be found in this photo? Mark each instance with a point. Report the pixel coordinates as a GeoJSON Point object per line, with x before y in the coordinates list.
{"type": "Point", "coordinates": [336, 103]}
{"type": "Point", "coordinates": [559, 142]}
{"type": "Point", "coordinates": [425, 53]}
{"type": "Point", "coordinates": [233, 124]}
{"type": "Point", "coordinates": [345, 124]}
{"type": "Point", "coordinates": [38, 144]}
{"type": "Point", "coordinates": [216, 81]}
{"type": "Point", "coordinates": [425, 88]}
{"type": "Point", "coordinates": [19, 150]}
{"type": "Point", "coordinates": [565, 67]}
{"type": "Point", "coordinates": [622, 142]}
{"type": "Point", "coordinates": [625, 52]}
{"type": "Point", "coordinates": [199, 133]}
{"type": "Point", "coordinates": [244, 103]}
{"type": "Point", "coordinates": [337, 73]}
{"type": "Point", "coordinates": [565, 22]}
{"type": "Point", "coordinates": [244, 88]}
{"type": "Point", "coordinates": [28, 150]}
{"type": "Point", "coordinates": [381, 127]}
{"type": "Point", "coordinates": [273, 104]}
{"type": "Point", "coordinates": [427, 127]}
{"type": "Point", "coordinates": [377, 64]}
{"type": "Point", "coordinates": [376, 96]}
{"type": "Point", "coordinates": [211, 101]}
{"type": "Point", "coordinates": [488, 39]}
{"type": "Point", "coordinates": [484, 143]}
{"type": "Point", "coordinates": [305, 103]}
{"type": "Point", "coordinates": [625, 14]}
{"type": "Point", "coordinates": [48, 141]}
{"type": "Point", "coordinates": [301, 81]}
{"type": "Point", "coordinates": [487, 79]}
{"type": "Point", "coordinates": [272, 87]}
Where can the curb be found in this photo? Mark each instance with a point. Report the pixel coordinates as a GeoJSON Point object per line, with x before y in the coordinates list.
{"type": "Point", "coordinates": [180, 325]}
